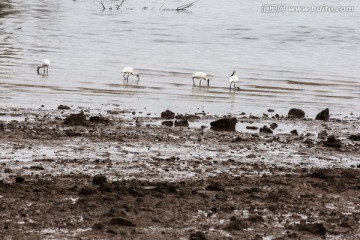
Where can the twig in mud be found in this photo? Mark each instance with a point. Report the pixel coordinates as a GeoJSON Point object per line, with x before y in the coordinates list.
{"type": "Point", "coordinates": [119, 6]}
{"type": "Point", "coordinates": [161, 7]}
{"type": "Point", "coordinates": [179, 8]}
{"type": "Point", "coordinates": [185, 6]}
{"type": "Point", "coordinates": [103, 6]}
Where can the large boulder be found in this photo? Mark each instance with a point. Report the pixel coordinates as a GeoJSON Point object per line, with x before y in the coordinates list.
{"type": "Point", "coordinates": [224, 124]}
{"type": "Point", "coordinates": [324, 115]}
{"type": "Point", "coordinates": [296, 113]}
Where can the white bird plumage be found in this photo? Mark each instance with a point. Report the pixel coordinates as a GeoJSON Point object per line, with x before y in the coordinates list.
{"type": "Point", "coordinates": [201, 76]}
{"type": "Point", "coordinates": [233, 79]}
{"type": "Point", "coordinates": [44, 64]}
{"type": "Point", "coordinates": [127, 71]}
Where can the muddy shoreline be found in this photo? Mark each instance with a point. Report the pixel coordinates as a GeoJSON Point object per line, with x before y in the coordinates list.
{"type": "Point", "coordinates": [124, 175]}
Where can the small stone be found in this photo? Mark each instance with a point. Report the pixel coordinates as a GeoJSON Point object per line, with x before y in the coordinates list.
{"type": "Point", "coordinates": [197, 236]}
{"type": "Point", "coordinates": [215, 186]}
{"type": "Point", "coordinates": [296, 113]}
{"type": "Point", "coordinates": [99, 179]}
{"type": "Point", "coordinates": [63, 107]}
{"type": "Point", "coordinates": [266, 129]}
{"type": "Point", "coordinates": [122, 222]}
{"type": "Point", "coordinates": [99, 119]}
{"type": "Point", "coordinates": [323, 134]}
{"type": "Point", "coordinates": [98, 227]}
{"type": "Point", "coordinates": [331, 141]}
{"type": "Point", "coordinates": [355, 137]}
{"type": "Point", "coordinates": [224, 124]}
{"type": "Point", "coordinates": [76, 119]}
{"type": "Point", "coordinates": [273, 126]}
{"type": "Point", "coordinates": [252, 127]}
{"type": "Point", "coordinates": [324, 115]}
{"type": "Point", "coordinates": [271, 110]}
{"type": "Point", "coordinates": [87, 190]}
{"type": "Point", "coordinates": [167, 115]}
{"type": "Point", "coordinates": [167, 123]}
{"type": "Point", "coordinates": [19, 179]}
{"type": "Point", "coordinates": [181, 123]}
{"type": "Point", "coordinates": [295, 132]}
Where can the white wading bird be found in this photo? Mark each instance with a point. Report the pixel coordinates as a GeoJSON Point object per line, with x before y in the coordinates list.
{"type": "Point", "coordinates": [233, 79]}
{"type": "Point", "coordinates": [201, 76]}
{"type": "Point", "coordinates": [129, 70]}
{"type": "Point", "coordinates": [45, 64]}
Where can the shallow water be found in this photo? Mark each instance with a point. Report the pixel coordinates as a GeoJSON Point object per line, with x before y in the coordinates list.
{"type": "Point", "coordinates": [284, 60]}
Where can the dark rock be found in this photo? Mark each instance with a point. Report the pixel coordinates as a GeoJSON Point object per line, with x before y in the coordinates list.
{"type": "Point", "coordinates": [321, 173]}
{"type": "Point", "coordinates": [296, 113]}
{"type": "Point", "coordinates": [111, 231]}
{"type": "Point", "coordinates": [255, 218]}
{"type": "Point", "coordinates": [105, 187]}
{"type": "Point", "coordinates": [122, 222]}
{"type": "Point", "coordinates": [215, 186]}
{"type": "Point", "coordinates": [252, 127]}
{"type": "Point", "coordinates": [265, 129]}
{"type": "Point", "coordinates": [235, 224]}
{"type": "Point", "coordinates": [19, 179]}
{"type": "Point", "coordinates": [190, 118]}
{"type": "Point", "coordinates": [2, 127]}
{"type": "Point", "coordinates": [271, 110]}
{"type": "Point", "coordinates": [167, 123]}
{"type": "Point", "coordinates": [355, 137]}
{"type": "Point", "coordinates": [324, 115]}
{"type": "Point", "coordinates": [78, 119]}
{"type": "Point", "coordinates": [331, 141]}
{"type": "Point", "coordinates": [181, 123]}
{"type": "Point", "coordinates": [99, 119]}
{"type": "Point", "coordinates": [295, 132]}
{"type": "Point", "coordinates": [197, 236]}
{"type": "Point", "coordinates": [273, 126]}
{"type": "Point", "coordinates": [237, 139]}
{"type": "Point", "coordinates": [224, 124]}
{"type": "Point", "coordinates": [87, 190]}
{"type": "Point", "coordinates": [323, 134]}
{"type": "Point", "coordinates": [99, 179]}
{"type": "Point", "coordinates": [63, 107]}
{"type": "Point", "coordinates": [221, 196]}
{"type": "Point", "coordinates": [36, 168]}
{"type": "Point", "coordinates": [167, 115]}
{"type": "Point", "coordinates": [98, 227]}
{"type": "Point", "coordinates": [315, 228]}
{"type": "Point", "coordinates": [72, 133]}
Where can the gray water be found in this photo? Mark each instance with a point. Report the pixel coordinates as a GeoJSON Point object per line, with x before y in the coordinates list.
{"type": "Point", "coordinates": [283, 60]}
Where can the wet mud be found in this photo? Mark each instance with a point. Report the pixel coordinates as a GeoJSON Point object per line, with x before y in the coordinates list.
{"type": "Point", "coordinates": [88, 174]}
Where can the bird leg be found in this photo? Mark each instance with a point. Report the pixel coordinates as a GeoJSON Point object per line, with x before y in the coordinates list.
{"type": "Point", "coordinates": [200, 82]}
{"type": "Point", "coordinates": [208, 81]}
{"type": "Point", "coordinates": [193, 81]}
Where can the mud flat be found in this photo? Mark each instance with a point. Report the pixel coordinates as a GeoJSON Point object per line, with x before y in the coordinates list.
{"type": "Point", "coordinates": [122, 174]}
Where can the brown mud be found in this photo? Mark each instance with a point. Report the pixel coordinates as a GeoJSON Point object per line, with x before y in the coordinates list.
{"type": "Point", "coordinates": [122, 175]}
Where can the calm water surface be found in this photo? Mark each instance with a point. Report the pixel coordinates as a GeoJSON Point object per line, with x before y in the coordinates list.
{"type": "Point", "coordinates": [307, 60]}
